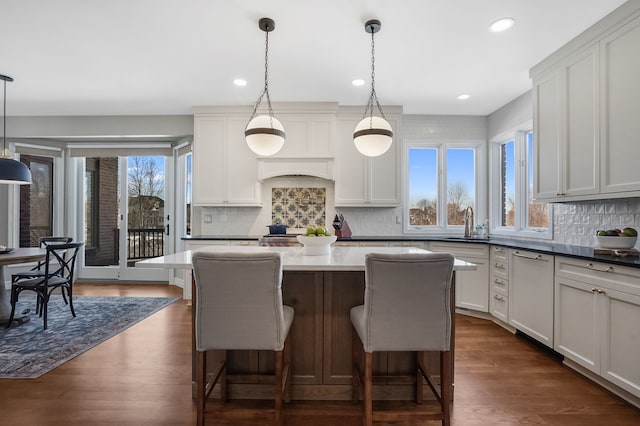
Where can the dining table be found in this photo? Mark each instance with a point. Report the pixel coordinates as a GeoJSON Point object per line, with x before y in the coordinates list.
{"type": "Point", "coordinates": [14, 257]}
{"type": "Point", "coordinates": [322, 289]}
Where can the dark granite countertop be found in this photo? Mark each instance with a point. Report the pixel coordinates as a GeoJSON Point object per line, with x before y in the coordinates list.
{"type": "Point", "coordinates": [579, 252]}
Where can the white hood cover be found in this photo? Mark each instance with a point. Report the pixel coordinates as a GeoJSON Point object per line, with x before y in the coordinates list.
{"type": "Point", "coordinates": [316, 167]}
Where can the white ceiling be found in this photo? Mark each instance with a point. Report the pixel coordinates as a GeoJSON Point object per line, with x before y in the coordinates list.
{"type": "Point", "coordinates": [123, 57]}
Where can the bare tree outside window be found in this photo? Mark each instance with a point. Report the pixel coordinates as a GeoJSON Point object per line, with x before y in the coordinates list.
{"type": "Point", "coordinates": [146, 191]}
{"type": "Point", "coordinates": [458, 200]}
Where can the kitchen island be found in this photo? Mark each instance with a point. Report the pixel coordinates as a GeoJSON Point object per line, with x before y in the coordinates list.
{"type": "Point", "coordinates": [322, 290]}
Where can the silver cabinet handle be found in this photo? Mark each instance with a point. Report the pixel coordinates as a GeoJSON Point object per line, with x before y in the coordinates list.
{"type": "Point", "coordinates": [601, 291]}
{"type": "Point", "coordinates": [590, 266]}
{"type": "Point", "coordinates": [500, 298]}
{"type": "Point", "coordinates": [497, 281]}
{"type": "Point", "coordinates": [536, 257]}
{"type": "Point", "coordinates": [561, 194]}
{"type": "Point", "coordinates": [498, 266]}
{"type": "Point", "coordinates": [498, 249]}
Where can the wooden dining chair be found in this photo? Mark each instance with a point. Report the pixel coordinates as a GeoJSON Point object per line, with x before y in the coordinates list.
{"type": "Point", "coordinates": [61, 259]}
{"type": "Point", "coordinates": [407, 307]}
{"type": "Point", "coordinates": [238, 306]}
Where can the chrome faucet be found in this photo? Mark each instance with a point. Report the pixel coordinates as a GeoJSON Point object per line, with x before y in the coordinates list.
{"type": "Point", "coordinates": [468, 221]}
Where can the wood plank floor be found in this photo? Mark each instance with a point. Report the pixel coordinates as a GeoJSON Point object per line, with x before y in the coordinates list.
{"type": "Point", "coordinates": [143, 377]}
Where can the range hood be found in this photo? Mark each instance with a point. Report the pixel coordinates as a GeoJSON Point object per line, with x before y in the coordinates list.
{"type": "Point", "coordinates": [291, 166]}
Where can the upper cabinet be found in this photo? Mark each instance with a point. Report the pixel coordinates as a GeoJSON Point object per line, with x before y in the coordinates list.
{"type": "Point", "coordinates": [583, 114]}
{"type": "Point", "coordinates": [362, 181]}
{"type": "Point", "coordinates": [225, 170]}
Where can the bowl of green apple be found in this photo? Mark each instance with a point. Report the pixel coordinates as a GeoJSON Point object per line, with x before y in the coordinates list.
{"type": "Point", "coordinates": [316, 241]}
{"type": "Point", "coordinates": [617, 238]}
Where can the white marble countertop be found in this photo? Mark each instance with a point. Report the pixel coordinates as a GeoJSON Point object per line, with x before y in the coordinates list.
{"type": "Point", "coordinates": [340, 259]}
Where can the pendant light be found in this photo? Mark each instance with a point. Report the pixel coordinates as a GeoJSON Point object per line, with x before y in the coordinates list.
{"type": "Point", "coordinates": [373, 135]}
{"type": "Point", "coordinates": [265, 134]}
{"type": "Point", "coordinates": [11, 171]}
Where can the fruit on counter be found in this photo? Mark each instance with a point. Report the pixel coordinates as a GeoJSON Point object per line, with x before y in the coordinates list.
{"type": "Point", "coordinates": [626, 232]}
{"type": "Point", "coordinates": [319, 231]}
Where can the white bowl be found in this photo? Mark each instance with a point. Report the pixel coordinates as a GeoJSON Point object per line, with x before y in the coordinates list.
{"type": "Point", "coordinates": [316, 246]}
{"type": "Point", "coordinates": [616, 242]}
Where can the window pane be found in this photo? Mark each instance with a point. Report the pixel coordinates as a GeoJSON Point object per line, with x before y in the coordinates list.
{"type": "Point", "coordinates": [508, 182]}
{"type": "Point", "coordinates": [101, 211]}
{"type": "Point", "coordinates": [423, 187]}
{"type": "Point", "coordinates": [36, 201]}
{"type": "Point", "coordinates": [461, 183]}
{"type": "Point", "coordinates": [537, 214]}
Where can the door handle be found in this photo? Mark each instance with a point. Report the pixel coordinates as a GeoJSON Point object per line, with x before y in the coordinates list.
{"type": "Point", "coordinates": [167, 229]}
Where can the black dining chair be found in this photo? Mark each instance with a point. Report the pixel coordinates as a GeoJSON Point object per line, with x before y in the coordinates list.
{"type": "Point", "coordinates": [38, 269]}
{"type": "Point", "coordinates": [61, 259]}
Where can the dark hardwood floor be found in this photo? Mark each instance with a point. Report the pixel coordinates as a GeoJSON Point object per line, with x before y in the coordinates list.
{"type": "Point", "coordinates": [143, 377]}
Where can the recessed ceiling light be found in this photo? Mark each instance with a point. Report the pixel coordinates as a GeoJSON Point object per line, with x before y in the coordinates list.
{"type": "Point", "coordinates": [502, 24]}
{"type": "Point", "coordinates": [240, 82]}
{"type": "Point", "coordinates": [358, 82]}
{"type": "Point", "coordinates": [463, 96]}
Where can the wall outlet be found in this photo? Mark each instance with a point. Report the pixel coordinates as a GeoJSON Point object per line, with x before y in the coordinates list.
{"type": "Point", "coordinates": [208, 218]}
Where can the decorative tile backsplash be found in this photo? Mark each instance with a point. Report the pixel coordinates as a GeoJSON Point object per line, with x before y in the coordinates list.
{"type": "Point", "coordinates": [298, 207]}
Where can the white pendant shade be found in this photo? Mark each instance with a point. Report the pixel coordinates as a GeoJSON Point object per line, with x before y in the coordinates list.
{"type": "Point", "coordinates": [262, 138]}
{"type": "Point", "coordinates": [373, 136]}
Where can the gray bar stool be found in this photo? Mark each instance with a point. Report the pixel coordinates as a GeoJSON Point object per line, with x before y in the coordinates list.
{"type": "Point", "coordinates": [406, 307]}
{"type": "Point", "coordinates": [238, 306]}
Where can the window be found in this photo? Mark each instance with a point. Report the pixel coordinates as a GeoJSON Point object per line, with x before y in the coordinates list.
{"type": "Point", "coordinates": [36, 201]}
{"type": "Point", "coordinates": [442, 183]}
{"type": "Point", "coordinates": [513, 211]}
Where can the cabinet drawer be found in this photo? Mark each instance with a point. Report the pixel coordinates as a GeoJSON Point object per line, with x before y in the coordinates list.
{"type": "Point", "coordinates": [621, 278]}
{"type": "Point", "coordinates": [499, 306]}
{"type": "Point", "coordinates": [499, 254]}
{"type": "Point", "coordinates": [499, 285]}
{"type": "Point", "coordinates": [461, 249]}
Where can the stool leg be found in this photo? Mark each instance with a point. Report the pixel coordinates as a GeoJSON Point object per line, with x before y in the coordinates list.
{"type": "Point", "coordinates": [419, 377]}
{"type": "Point", "coordinates": [201, 384]}
{"type": "Point", "coordinates": [289, 367]}
{"type": "Point", "coordinates": [223, 378]}
{"type": "Point", "coordinates": [368, 389]}
{"type": "Point", "coordinates": [278, 397]}
{"type": "Point", "coordinates": [445, 387]}
{"type": "Point", "coordinates": [355, 367]}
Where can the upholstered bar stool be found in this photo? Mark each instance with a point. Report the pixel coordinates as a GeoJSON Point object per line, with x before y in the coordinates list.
{"type": "Point", "coordinates": [406, 308]}
{"type": "Point", "coordinates": [238, 306]}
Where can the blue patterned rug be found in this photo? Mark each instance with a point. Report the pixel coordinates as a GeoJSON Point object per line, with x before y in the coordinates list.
{"type": "Point", "coordinates": [27, 351]}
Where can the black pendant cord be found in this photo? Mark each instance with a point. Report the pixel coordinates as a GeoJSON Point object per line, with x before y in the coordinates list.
{"type": "Point", "coordinates": [265, 92]}
{"type": "Point", "coordinates": [4, 119]}
{"type": "Point", "coordinates": [373, 97]}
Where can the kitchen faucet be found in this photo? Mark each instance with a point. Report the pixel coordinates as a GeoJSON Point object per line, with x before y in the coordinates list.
{"type": "Point", "coordinates": [468, 221]}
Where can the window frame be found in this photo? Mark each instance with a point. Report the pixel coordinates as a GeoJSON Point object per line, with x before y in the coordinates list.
{"type": "Point", "coordinates": [441, 147]}
{"type": "Point", "coordinates": [522, 160]}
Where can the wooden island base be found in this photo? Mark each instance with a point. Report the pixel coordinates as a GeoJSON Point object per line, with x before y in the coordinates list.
{"type": "Point", "coordinates": [321, 345]}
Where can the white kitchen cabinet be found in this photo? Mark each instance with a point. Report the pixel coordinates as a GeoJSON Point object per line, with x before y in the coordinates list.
{"type": "Point", "coordinates": [499, 283]}
{"type": "Point", "coordinates": [566, 129]}
{"type": "Point", "coordinates": [584, 113]}
{"type": "Point", "coordinates": [225, 171]}
{"type": "Point", "coordinates": [472, 287]}
{"type": "Point", "coordinates": [597, 314]}
{"type": "Point", "coordinates": [531, 294]}
{"type": "Point", "coordinates": [362, 181]}
{"type": "Point", "coordinates": [620, 151]}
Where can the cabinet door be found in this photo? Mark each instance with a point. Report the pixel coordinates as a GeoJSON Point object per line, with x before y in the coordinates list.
{"type": "Point", "coordinates": [209, 172]}
{"type": "Point", "coordinates": [472, 287]}
{"type": "Point", "coordinates": [547, 124]}
{"type": "Point", "coordinates": [363, 181]}
{"type": "Point", "coordinates": [531, 295]}
{"type": "Point", "coordinates": [620, 59]}
{"type": "Point", "coordinates": [620, 339]}
{"type": "Point", "coordinates": [351, 188]}
{"type": "Point", "coordinates": [243, 187]}
{"type": "Point", "coordinates": [576, 323]}
{"type": "Point", "coordinates": [581, 166]}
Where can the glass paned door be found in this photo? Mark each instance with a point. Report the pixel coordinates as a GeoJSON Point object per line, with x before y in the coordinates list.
{"type": "Point", "coordinates": [125, 219]}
